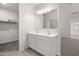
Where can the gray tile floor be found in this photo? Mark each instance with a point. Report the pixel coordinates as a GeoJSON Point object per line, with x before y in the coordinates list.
{"type": "Point", "coordinates": [11, 49]}
{"type": "Point", "coordinates": [69, 47]}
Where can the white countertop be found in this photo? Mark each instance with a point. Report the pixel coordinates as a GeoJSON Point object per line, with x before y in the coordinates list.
{"type": "Point", "coordinates": [44, 34]}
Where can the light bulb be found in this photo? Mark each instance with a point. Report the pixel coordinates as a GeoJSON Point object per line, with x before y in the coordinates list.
{"type": "Point", "coordinates": [39, 12]}
{"type": "Point", "coordinates": [4, 3]}
{"type": "Point", "coordinates": [49, 9]}
{"type": "Point", "coordinates": [43, 11]}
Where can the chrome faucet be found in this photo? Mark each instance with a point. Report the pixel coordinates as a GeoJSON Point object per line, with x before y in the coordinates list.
{"type": "Point", "coordinates": [48, 31]}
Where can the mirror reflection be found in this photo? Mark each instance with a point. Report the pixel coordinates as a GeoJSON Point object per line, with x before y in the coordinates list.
{"type": "Point", "coordinates": [50, 19]}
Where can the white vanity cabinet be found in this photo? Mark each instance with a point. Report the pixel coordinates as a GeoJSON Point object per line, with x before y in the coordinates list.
{"type": "Point", "coordinates": [32, 41]}
{"type": "Point", "coordinates": [46, 45]}
{"type": "Point", "coordinates": [43, 44]}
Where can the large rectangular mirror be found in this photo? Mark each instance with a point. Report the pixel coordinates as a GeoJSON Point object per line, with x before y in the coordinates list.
{"type": "Point", "coordinates": [50, 19]}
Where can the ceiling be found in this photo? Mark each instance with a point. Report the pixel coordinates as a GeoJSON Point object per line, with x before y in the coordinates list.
{"type": "Point", "coordinates": [10, 6]}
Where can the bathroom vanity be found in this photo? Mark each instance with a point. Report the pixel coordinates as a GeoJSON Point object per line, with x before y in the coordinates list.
{"type": "Point", "coordinates": [45, 39]}
{"type": "Point", "coordinates": [46, 44]}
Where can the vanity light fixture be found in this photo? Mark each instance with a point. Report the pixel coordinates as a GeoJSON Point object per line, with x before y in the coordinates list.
{"type": "Point", "coordinates": [46, 9]}
{"type": "Point", "coordinates": [4, 3]}
{"type": "Point", "coordinates": [49, 9]}
{"type": "Point", "coordinates": [43, 11]}
{"type": "Point", "coordinates": [39, 12]}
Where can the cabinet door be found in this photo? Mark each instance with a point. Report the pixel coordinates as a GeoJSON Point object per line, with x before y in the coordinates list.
{"type": "Point", "coordinates": [32, 41]}
{"type": "Point", "coordinates": [43, 45]}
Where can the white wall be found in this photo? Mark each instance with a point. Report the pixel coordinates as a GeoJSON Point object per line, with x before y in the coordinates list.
{"type": "Point", "coordinates": [66, 16]}
{"type": "Point", "coordinates": [8, 31]}
{"type": "Point", "coordinates": [38, 22]}
{"type": "Point", "coordinates": [8, 14]}
{"type": "Point", "coordinates": [65, 12]}
{"type": "Point", "coordinates": [26, 23]}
